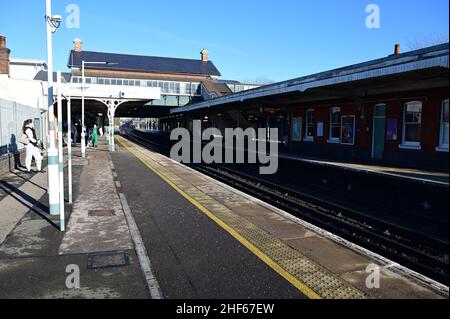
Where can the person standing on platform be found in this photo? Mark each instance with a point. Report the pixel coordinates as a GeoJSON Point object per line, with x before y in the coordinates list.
{"type": "Point", "coordinates": [74, 134]}
{"type": "Point", "coordinates": [95, 136]}
{"type": "Point", "coordinates": [32, 149]}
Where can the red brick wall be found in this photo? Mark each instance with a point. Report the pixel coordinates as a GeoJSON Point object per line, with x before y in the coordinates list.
{"type": "Point", "coordinates": [431, 118]}
{"type": "Point", "coordinates": [322, 113]}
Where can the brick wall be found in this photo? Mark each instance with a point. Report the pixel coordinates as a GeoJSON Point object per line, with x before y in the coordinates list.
{"type": "Point", "coordinates": [4, 56]}
{"type": "Point", "coordinates": [426, 157]}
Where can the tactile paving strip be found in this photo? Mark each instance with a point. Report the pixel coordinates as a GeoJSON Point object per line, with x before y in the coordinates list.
{"type": "Point", "coordinates": [323, 282]}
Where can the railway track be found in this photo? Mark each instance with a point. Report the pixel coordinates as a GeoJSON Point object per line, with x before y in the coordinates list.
{"type": "Point", "coordinates": [425, 255]}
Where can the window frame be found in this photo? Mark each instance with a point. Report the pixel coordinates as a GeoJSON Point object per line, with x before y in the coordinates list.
{"type": "Point", "coordinates": [298, 120]}
{"type": "Point", "coordinates": [331, 139]}
{"type": "Point", "coordinates": [443, 147]}
{"type": "Point", "coordinates": [308, 124]}
{"type": "Point", "coordinates": [409, 144]}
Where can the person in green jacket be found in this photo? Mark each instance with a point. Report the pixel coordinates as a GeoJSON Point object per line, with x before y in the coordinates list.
{"type": "Point", "coordinates": [95, 136]}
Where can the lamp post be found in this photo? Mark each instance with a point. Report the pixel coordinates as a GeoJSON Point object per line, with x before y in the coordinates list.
{"type": "Point", "coordinates": [61, 155]}
{"type": "Point", "coordinates": [83, 127]}
{"type": "Point", "coordinates": [52, 24]}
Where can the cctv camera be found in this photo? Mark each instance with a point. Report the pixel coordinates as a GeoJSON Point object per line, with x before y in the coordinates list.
{"type": "Point", "coordinates": [54, 22]}
{"type": "Point", "coordinates": [57, 18]}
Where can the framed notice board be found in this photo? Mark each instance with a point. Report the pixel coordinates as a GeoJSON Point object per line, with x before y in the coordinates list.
{"type": "Point", "coordinates": [297, 129]}
{"type": "Point", "coordinates": [348, 130]}
{"type": "Point", "coordinates": [392, 130]}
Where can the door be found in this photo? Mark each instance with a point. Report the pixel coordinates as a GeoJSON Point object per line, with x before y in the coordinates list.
{"type": "Point", "coordinates": [379, 132]}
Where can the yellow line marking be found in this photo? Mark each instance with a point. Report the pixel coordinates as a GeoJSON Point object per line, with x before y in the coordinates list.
{"type": "Point", "coordinates": [308, 292]}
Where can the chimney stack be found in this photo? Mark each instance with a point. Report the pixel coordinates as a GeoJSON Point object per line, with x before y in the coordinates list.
{"type": "Point", "coordinates": [397, 49]}
{"type": "Point", "coordinates": [204, 54]}
{"type": "Point", "coordinates": [4, 56]}
{"type": "Point", "coordinates": [78, 45]}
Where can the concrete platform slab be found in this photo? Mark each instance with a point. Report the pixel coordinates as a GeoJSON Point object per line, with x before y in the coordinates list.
{"type": "Point", "coordinates": [97, 191]}
{"type": "Point", "coordinates": [32, 263]}
{"type": "Point", "coordinates": [19, 202]}
{"type": "Point", "coordinates": [334, 257]}
{"type": "Point", "coordinates": [392, 286]}
{"type": "Point", "coordinates": [45, 278]}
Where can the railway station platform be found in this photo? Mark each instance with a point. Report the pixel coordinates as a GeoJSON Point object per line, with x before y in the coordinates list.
{"type": "Point", "coordinates": [419, 175]}
{"type": "Point", "coordinates": [219, 235]}
{"type": "Point", "coordinates": [143, 226]}
{"type": "Point", "coordinates": [36, 259]}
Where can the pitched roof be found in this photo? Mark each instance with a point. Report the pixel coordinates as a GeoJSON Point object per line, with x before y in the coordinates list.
{"type": "Point", "coordinates": [427, 58]}
{"type": "Point", "coordinates": [125, 62]}
{"type": "Point", "coordinates": [220, 89]}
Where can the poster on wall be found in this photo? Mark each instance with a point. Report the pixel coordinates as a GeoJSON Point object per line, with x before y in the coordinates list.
{"type": "Point", "coordinates": [320, 129]}
{"type": "Point", "coordinates": [392, 130]}
{"type": "Point", "coordinates": [348, 130]}
{"type": "Point", "coordinates": [297, 129]}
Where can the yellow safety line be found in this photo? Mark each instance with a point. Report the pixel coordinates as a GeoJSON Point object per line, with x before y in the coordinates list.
{"type": "Point", "coordinates": [308, 292]}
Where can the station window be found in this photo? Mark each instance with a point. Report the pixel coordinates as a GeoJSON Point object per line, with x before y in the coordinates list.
{"type": "Point", "coordinates": [125, 82]}
{"type": "Point", "coordinates": [113, 82]}
{"type": "Point", "coordinates": [412, 124]}
{"type": "Point", "coordinates": [88, 80]}
{"type": "Point", "coordinates": [194, 89]}
{"type": "Point", "coordinates": [101, 81]}
{"type": "Point", "coordinates": [309, 134]}
{"type": "Point", "coordinates": [187, 88]}
{"type": "Point", "coordinates": [172, 87]}
{"type": "Point", "coordinates": [444, 132]}
{"type": "Point", "coordinates": [119, 82]}
{"type": "Point", "coordinates": [335, 124]}
{"type": "Point", "coordinates": [137, 83]}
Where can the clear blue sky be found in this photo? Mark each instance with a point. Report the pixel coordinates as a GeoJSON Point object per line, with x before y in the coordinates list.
{"type": "Point", "coordinates": [247, 39]}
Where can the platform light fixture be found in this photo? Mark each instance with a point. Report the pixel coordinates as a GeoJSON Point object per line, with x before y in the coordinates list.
{"type": "Point", "coordinates": [54, 21]}
{"type": "Point", "coordinates": [52, 24]}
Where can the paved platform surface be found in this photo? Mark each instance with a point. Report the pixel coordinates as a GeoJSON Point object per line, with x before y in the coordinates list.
{"type": "Point", "coordinates": [34, 254]}
{"type": "Point", "coordinates": [203, 239]}
{"type": "Point", "coordinates": [207, 240]}
{"type": "Point", "coordinates": [399, 172]}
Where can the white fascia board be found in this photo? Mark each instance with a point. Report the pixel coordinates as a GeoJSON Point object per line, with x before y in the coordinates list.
{"type": "Point", "coordinates": [96, 91]}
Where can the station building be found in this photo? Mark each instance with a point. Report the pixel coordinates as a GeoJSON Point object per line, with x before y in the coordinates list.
{"type": "Point", "coordinates": [181, 81]}
{"type": "Point", "coordinates": [169, 82]}
{"type": "Point", "coordinates": [393, 110]}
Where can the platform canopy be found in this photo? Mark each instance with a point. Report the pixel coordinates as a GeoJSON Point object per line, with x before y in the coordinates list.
{"type": "Point", "coordinates": [96, 91]}
{"type": "Point", "coordinates": [133, 100]}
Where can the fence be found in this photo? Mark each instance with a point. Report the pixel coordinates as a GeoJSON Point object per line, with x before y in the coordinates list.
{"type": "Point", "coordinates": [12, 116]}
